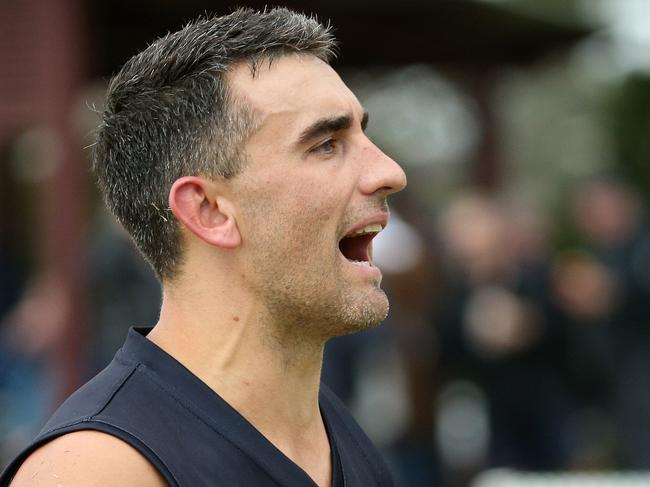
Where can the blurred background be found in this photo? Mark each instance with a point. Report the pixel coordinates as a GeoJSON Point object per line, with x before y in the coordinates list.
{"type": "Point", "coordinates": [517, 262]}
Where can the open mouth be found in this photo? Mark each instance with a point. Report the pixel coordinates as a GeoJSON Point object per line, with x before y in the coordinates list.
{"type": "Point", "coordinates": [356, 246]}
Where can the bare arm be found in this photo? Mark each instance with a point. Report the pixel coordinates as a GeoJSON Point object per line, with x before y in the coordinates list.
{"type": "Point", "coordinates": [87, 459]}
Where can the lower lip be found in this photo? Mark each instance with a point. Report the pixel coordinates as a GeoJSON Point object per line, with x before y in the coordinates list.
{"type": "Point", "coordinates": [364, 269]}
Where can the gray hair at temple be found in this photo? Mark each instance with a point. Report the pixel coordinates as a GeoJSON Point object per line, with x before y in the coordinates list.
{"type": "Point", "coordinates": [169, 113]}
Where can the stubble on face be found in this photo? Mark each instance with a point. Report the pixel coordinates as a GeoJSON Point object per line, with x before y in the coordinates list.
{"type": "Point", "coordinates": [295, 210]}
{"type": "Point", "coordinates": [300, 279]}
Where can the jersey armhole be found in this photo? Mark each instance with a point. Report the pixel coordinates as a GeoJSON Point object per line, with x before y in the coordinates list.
{"type": "Point", "coordinates": [11, 470]}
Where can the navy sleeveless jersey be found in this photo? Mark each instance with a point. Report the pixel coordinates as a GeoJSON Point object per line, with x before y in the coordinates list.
{"type": "Point", "coordinates": [191, 435]}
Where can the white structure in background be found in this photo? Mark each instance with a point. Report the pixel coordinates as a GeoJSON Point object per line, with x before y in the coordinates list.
{"type": "Point", "coordinates": [509, 478]}
{"type": "Point", "coordinates": [627, 27]}
{"type": "Point", "coordinates": [398, 248]}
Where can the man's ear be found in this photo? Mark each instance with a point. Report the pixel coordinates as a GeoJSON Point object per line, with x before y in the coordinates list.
{"type": "Point", "coordinates": [197, 204]}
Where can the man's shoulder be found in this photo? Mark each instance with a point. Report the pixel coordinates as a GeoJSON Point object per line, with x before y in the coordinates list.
{"type": "Point", "coordinates": [86, 458]}
{"type": "Point", "coordinates": [93, 396]}
{"type": "Point", "coordinates": [88, 436]}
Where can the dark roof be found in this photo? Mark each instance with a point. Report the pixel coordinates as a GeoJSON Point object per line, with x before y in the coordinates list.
{"type": "Point", "coordinates": [459, 33]}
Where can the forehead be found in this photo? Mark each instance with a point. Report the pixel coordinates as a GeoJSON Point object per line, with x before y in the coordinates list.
{"type": "Point", "coordinates": [294, 90]}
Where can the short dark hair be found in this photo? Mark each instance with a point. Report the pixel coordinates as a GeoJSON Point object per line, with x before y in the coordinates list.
{"type": "Point", "coordinates": [169, 113]}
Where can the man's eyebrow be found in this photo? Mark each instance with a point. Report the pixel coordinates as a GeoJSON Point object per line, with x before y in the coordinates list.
{"type": "Point", "coordinates": [329, 125]}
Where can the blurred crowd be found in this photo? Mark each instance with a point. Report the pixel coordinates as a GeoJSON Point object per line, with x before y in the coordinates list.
{"type": "Point", "coordinates": [515, 339]}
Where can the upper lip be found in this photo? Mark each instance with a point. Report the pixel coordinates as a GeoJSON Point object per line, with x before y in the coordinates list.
{"type": "Point", "coordinates": [380, 218]}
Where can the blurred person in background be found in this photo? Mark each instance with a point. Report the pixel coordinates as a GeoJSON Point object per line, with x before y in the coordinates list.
{"type": "Point", "coordinates": [125, 290]}
{"type": "Point", "coordinates": [608, 286]}
{"type": "Point", "coordinates": [501, 351]}
{"type": "Point", "coordinates": [29, 333]}
{"type": "Point", "coordinates": [237, 160]}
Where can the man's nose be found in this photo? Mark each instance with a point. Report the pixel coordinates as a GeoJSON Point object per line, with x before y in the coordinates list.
{"type": "Point", "coordinates": [381, 173]}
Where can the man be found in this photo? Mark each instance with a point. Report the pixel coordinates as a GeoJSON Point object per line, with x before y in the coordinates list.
{"type": "Point", "coordinates": [236, 158]}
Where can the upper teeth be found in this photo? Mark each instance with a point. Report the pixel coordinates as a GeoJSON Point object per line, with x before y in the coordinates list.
{"type": "Point", "coordinates": [372, 228]}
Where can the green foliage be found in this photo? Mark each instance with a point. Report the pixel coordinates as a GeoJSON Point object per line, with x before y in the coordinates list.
{"type": "Point", "coordinates": [629, 121]}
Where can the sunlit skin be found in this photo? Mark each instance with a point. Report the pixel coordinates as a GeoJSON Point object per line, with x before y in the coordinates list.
{"type": "Point", "coordinates": [302, 192]}
{"type": "Point", "coordinates": [263, 284]}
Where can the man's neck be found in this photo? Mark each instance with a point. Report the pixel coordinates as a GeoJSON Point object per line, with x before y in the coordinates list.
{"type": "Point", "coordinates": [273, 384]}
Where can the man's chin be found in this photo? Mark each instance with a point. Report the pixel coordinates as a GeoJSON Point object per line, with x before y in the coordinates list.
{"type": "Point", "coordinates": [366, 313]}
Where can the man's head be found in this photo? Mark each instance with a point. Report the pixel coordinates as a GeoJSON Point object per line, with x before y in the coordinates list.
{"type": "Point", "coordinates": [170, 113]}
{"type": "Point", "coordinates": [311, 199]}
{"type": "Point", "coordinates": [606, 210]}
{"type": "Point", "coordinates": [275, 191]}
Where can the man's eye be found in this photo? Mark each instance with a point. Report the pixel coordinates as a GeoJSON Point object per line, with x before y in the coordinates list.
{"type": "Point", "coordinates": [327, 147]}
